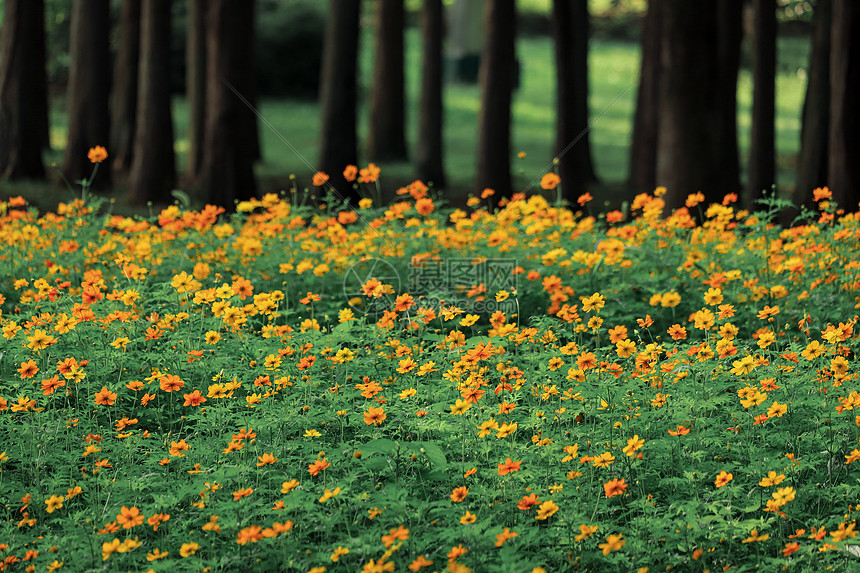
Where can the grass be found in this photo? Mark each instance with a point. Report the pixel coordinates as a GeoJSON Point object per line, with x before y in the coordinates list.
{"type": "Point", "coordinates": [614, 68]}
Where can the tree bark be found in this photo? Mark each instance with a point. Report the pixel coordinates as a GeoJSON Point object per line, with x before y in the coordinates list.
{"type": "Point", "coordinates": [815, 128]}
{"type": "Point", "coordinates": [195, 86]}
{"type": "Point", "coordinates": [697, 145]}
{"type": "Point", "coordinates": [573, 144]}
{"type": "Point", "coordinates": [762, 147]}
{"type": "Point", "coordinates": [23, 113]}
{"type": "Point", "coordinates": [153, 170]}
{"type": "Point", "coordinates": [730, 34]}
{"type": "Point", "coordinates": [643, 149]}
{"type": "Point", "coordinates": [249, 80]}
{"type": "Point", "coordinates": [386, 137]}
{"type": "Point", "coordinates": [228, 173]}
{"type": "Point", "coordinates": [429, 158]}
{"type": "Point", "coordinates": [338, 95]}
{"type": "Point", "coordinates": [124, 108]}
{"type": "Point", "coordinates": [88, 91]}
{"type": "Point", "coordinates": [497, 77]}
{"type": "Point", "coordinates": [843, 173]}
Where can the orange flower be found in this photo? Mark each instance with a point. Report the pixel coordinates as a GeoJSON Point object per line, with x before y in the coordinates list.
{"type": "Point", "coordinates": [157, 519]}
{"type": "Point", "coordinates": [171, 383]}
{"type": "Point", "coordinates": [193, 399]}
{"type": "Point", "coordinates": [459, 494]}
{"type": "Point", "coordinates": [527, 502]}
{"type": "Point", "coordinates": [374, 416]}
{"type": "Point", "coordinates": [129, 518]}
{"type": "Point", "coordinates": [317, 466]}
{"type": "Point", "coordinates": [369, 174]}
{"type": "Point", "coordinates": [320, 177]}
{"type": "Point", "coordinates": [252, 533]}
{"type": "Point", "coordinates": [97, 154]}
{"type": "Point", "coordinates": [398, 534]}
{"type": "Point", "coordinates": [424, 206]}
{"type": "Point", "coordinates": [350, 172]}
{"type": "Point", "coordinates": [419, 563]}
{"type": "Point", "coordinates": [723, 478]}
{"type": "Point", "coordinates": [509, 466]}
{"type": "Point", "coordinates": [28, 369]}
{"type": "Point", "coordinates": [615, 487]}
{"type": "Point", "coordinates": [550, 181]}
{"type": "Point", "coordinates": [266, 459]}
{"type": "Point", "coordinates": [105, 397]}
{"type": "Point", "coordinates": [504, 536]}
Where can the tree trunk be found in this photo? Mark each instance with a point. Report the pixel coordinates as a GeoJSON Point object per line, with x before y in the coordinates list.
{"type": "Point", "coordinates": [815, 129]}
{"type": "Point", "coordinates": [195, 85]}
{"type": "Point", "coordinates": [729, 17]}
{"type": "Point", "coordinates": [386, 137]}
{"type": "Point", "coordinates": [643, 149]}
{"type": "Point", "coordinates": [88, 91]}
{"type": "Point", "coordinates": [249, 80]}
{"type": "Point", "coordinates": [843, 173]}
{"type": "Point", "coordinates": [697, 145]}
{"type": "Point", "coordinates": [338, 95]}
{"type": "Point", "coordinates": [497, 80]}
{"type": "Point", "coordinates": [573, 144]}
{"type": "Point", "coordinates": [762, 148]}
{"type": "Point", "coordinates": [22, 77]}
{"type": "Point", "coordinates": [153, 170]}
{"type": "Point", "coordinates": [40, 93]}
{"type": "Point", "coordinates": [228, 159]}
{"type": "Point", "coordinates": [429, 147]}
{"type": "Point", "coordinates": [124, 108]}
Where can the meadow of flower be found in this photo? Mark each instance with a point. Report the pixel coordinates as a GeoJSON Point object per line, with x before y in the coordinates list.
{"type": "Point", "coordinates": [286, 388]}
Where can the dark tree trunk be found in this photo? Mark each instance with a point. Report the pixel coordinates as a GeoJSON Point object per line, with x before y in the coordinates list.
{"type": "Point", "coordinates": [843, 173]}
{"type": "Point", "coordinates": [815, 128]}
{"type": "Point", "coordinates": [228, 158]}
{"type": "Point", "coordinates": [386, 139]}
{"type": "Point", "coordinates": [89, 87]}
{"type": "Point", "coordinates": [572, 144]}
{"type": "Point", "coordinates": [643, 149]}
{"type": "Point", "coordinates": [697, 145]}
{"type": "Point", "coordinates": [338, 94]}
{"type": "Point", "coordinates": [729, 16]}
{"type": "Point", "coordinates": [429, 147]}
{"type": "Point", "coordinates": [124, 108]}
{"type": "Point", "coordinates": [762, 147]}
{"type": "Point", "coordinates": [195, 85]}
{"type": "Point", "coordinates": [497, 76]}
{"type": "Point", "coordinates": [153, 171]}
{"type": "Point", "coordinates": [249, 117]}
{"type": "Point", "coordinates": [40, 93]}
{"type": "Point", "coordinates": [23, 114]}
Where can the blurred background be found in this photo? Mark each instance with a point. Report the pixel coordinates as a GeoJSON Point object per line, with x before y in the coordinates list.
{"type": "Point", "coordinates": [228, 99]}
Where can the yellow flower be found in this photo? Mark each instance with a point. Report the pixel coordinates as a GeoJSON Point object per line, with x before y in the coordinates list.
{"type": "Point", "coordinates": [772, 479]}
{"type": "Point", "coordinates": [546, 510]}
{"type": "Point", "coordinates": [460, 407]}
{"type": "Point", "coordinates": [585, 531]}
{"type": "Point", "coordinates": [754, 537]}
{"type": "Point", "coordinates": [328, 494]}
{"type": "Point", "coordinates": [188, 549]}
{"type": "Point", "coordinates": [54, 502]}
{"type": "Point", "coordinates": [613, 543]}
{"type": "Point", "coordinates": [468, 517]}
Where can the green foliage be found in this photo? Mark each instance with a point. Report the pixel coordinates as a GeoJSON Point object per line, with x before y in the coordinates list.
{"type": "Point", "coordinates": [198, 390]}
